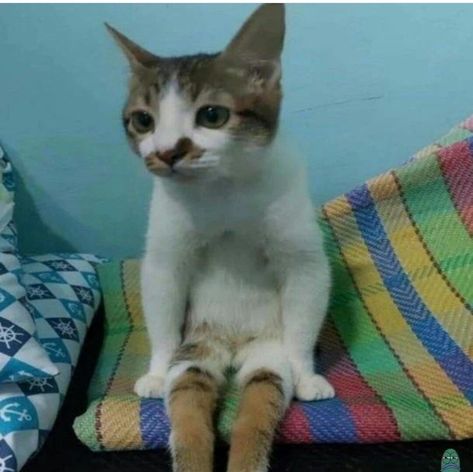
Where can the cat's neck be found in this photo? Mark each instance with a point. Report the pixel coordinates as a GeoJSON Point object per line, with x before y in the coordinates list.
{"type": "Point", "coordinates": [238, 204]}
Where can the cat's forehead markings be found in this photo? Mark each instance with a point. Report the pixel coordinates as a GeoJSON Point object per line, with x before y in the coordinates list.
{"type": "Point", "coordinates": [174, 120]}
{"type": "Point", "coordinates": [172, 99]}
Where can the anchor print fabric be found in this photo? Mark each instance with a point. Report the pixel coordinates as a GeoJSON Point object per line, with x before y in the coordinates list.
{"type": "Point", "coordinates": [62, 296]}
{"type": "Point", "coordinates": [21, 356]}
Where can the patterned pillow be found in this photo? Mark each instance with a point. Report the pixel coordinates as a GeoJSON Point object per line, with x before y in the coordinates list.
{"type": "Point", "coordinates": [398, 342]}
{"type": "Point", "coordinates": [21, 356]}
{"type": "Point", "coordinates": [63, 295]}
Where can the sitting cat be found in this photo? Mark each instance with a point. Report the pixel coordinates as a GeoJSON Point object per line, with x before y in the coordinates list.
{"type": "Point", "coordinates": [234, 273]}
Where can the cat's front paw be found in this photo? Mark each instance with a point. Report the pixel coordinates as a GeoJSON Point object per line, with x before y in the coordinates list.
{"type": "Point", "coordinates": [314, 387]}
{"type": "Point", "coordinates": [150, 386]}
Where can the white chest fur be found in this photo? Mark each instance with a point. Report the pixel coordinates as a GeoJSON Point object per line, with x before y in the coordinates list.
{"type": "Point", "coordinates": [234, 288]}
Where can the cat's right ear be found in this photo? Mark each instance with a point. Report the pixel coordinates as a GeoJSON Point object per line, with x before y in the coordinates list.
{"type": "Point", "coordinates": [259, 43]}
{"type": "Point", "coordinates": [261, 37]}
{"type": "Point", "coordinates": [138, 57]}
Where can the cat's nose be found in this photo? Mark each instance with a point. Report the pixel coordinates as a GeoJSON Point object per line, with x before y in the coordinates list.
{"type": "Point", "coordinates": [171, 156]}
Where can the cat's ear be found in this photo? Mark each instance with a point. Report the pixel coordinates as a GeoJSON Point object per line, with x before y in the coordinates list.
{"type": "Point", "coordinates": [137, 56]}
{"type": "Point", "coordinates": [260, 40]}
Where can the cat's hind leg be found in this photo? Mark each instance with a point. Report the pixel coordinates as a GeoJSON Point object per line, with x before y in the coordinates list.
{"type": "Point", "coordinates": [266, 383]}
{"type": "Point", "coordinates": [192, 388]}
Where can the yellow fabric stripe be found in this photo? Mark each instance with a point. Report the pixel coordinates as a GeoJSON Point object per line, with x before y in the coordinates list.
{"type": "Point", "coordinates": [134, 359]}
{"type": "Point", "coordinates": [451, 313]}
{"type": "Point", "coordinates": [119, 414]}
{"type": "Point", "coordinates": [121, 409]}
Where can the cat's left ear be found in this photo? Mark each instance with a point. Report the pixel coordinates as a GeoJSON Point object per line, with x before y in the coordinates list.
{"type": "Point", "coordinates": [260, 40]}
{"type": "Point", "coordinates": [137, 56]}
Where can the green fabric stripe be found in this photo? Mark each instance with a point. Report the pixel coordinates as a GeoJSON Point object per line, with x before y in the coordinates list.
{"type": "Point", "coordinates": [429, 202]}
{"type": "Point", "coordinates": [85, 428]}
{"type": "Point", "coordinates": [455, 135]}
{"type": "Point", "coordinates": [374, 358]}
{"type": "Point", "coordinates": [117, 328]}
{"type": "Point", "coordinates": [230, 401]}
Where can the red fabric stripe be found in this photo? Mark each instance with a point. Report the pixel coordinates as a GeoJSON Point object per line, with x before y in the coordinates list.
{"type": "Point", "coordinates": [456, 162]}
{"type": "Point", "coordinates": [295, 427]}
{"type": "Point", "coordinates": [373, 418]}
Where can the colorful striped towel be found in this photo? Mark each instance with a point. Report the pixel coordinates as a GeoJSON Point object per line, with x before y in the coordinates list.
{"type": "Point", "coordinates": [398, 343]}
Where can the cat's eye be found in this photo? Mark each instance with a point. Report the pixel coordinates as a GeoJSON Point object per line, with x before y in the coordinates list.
{"type": "Point", "coordinates": [142, 121]}
{"type": "Point", "coordinates": [212, 116]}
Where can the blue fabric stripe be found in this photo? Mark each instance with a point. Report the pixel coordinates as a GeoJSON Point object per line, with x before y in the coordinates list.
{"type": "Point", "coordinates": [422, 322]}
{"type": "Point", "coordinates": [154, 423]}
{"type": "Point", "coordinates": [330, 421]}
{"type": "Point", "coordinates": [470, 145]}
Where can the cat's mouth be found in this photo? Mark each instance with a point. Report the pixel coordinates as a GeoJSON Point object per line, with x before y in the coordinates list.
{"type": "Point", "coordinates": [157, 167]}
{"type": "Point", "coordinates": [184, 168]}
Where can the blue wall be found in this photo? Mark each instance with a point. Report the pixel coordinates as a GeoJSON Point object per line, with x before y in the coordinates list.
{"type": "Point", "coordinates": [366, 86]}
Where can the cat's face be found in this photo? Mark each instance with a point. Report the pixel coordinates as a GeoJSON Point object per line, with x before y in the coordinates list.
{"type": "Point", "coordinates": [207, 114]}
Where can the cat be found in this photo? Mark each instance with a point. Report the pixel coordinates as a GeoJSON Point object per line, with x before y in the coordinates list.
{"type": "Point", "coordinates": [234, 273]}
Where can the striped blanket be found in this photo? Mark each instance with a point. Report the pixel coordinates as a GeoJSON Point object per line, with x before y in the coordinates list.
{"type": "Point", "coordinates": [398, 342]}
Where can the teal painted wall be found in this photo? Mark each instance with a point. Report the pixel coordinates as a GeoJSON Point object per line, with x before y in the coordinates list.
{"type": "Point", "coordinates": [365, 86]}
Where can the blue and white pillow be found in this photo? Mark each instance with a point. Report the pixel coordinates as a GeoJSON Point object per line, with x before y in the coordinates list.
{"type": "Point", "coordinates": [21, 356]}
{"type": "Point", "coordinates": [63, 295]}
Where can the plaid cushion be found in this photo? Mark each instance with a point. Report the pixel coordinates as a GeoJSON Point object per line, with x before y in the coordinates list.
{"type": "Point", "coordinates": [398, 342]}
{"type": "Point", "coordinates": [21, 356]}
{"type": "Point", "coordinates": [63, 294]}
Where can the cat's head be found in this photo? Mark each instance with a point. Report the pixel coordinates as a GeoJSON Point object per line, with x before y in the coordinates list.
{"type": "Point", "coordinates": [207, 114]}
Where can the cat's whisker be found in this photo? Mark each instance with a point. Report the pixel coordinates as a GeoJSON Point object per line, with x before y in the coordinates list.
{"type": "Point", "coordinates": [203, 165]}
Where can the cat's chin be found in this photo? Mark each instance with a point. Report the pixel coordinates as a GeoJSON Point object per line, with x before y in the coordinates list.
{"type": "Point", "coordinates": [183, 175]}
{"type": "Point", "coordinates": [201, 169]}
